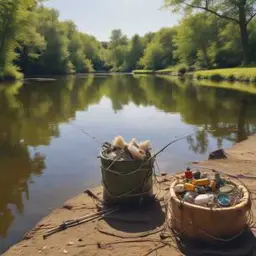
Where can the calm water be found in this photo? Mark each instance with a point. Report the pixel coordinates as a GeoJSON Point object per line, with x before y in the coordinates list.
{"type": "Point", "coordinates": [45, 159]}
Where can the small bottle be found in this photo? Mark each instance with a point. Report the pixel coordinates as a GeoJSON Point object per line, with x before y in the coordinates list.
{"type": "Point", "coordinates": [188, 174]}
{"type": "Point", "coordinates": [201, 182]}
{"type": "Point", "coordinates": [213, 185]}
{"type": "Point", "coordinates": [218, 179]}
{"type": "Point", "coordinates": [197, 175]}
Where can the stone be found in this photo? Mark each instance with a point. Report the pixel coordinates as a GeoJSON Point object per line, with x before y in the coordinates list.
{"type": "Point", "coordinates": [218, 154]}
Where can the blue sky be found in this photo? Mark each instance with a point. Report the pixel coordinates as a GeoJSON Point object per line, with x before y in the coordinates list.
{"type": "Point", "coordinates": [99, 17]}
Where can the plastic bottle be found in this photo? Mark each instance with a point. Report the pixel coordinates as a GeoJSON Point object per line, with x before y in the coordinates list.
{"type": "Point", "coordinates": [213, 185]}
{"type": "Point", "coordinates": [201, 182]}
{"type": "Point", "coordinates": [212, 199]}
{"type": "Point", "coordinates": [189, 187]}
{"type": "Point", "coordinates": [190, 197]}
{"type": "Point", "coordinates": [197, 175]}
{"type": "Point", "coordinates": [188, 174]}
{"type": "Point", "coordinates": [202, 199]}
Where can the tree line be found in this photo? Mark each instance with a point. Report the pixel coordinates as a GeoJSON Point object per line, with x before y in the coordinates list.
{"type": "Point", "coordinates": [33, 40]}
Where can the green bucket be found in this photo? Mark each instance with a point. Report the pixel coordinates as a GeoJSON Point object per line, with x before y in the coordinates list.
{"type": "Point", "coordinates": [125, 181]}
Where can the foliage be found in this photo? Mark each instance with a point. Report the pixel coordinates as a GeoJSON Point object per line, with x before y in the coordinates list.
{"type": "Point", "coordinates": [239, 12]}
{"type": "Point", "coordinates": [195, 40]}
{"type": "Point", "coordinates": [14, 25]}
{"type": "Point", "coordinates": [34, 41]}
{"type": "Point", "coordinates": [159, 52]}
{"type": "Point", "coordinates": [180, 69]}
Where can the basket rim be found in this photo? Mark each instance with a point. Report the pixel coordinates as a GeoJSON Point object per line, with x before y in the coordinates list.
{"type": "Point", "coordinates": [241, 205]}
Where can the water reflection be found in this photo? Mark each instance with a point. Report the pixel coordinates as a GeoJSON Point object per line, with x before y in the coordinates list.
{"type": "Point", "coordinates": [31, 114]}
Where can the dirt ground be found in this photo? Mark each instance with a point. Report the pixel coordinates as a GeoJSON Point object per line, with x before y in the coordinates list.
{"type": "Point", "coordinates": [132, 231]}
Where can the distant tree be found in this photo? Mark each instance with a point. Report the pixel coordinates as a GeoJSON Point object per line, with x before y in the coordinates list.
{"type": "Point", "coordinates": [31, 46]}
{"type": "Point", "coordinates": [153, 56]}
{"type": "Point", "coordinates": [241, 12]}
{"type": "Point", "coordinates": [135, 52]}
{"type": "Point", "coordinates": [117, 38]}
{"type": "Point", "coordinates": [93, 50]}
{"type": "Point", "coordinates": [76, 49]}
{"type": "Point", "coordinates": [159, 52]}
{"type": "Point", "coordinates": [196, 40]}
{"type": "Point", "coordinates": [14, 24]}
{"type": "Point", "coordinates": [56, 58]}
{"type": "Point", "coordinates": [117, 52]}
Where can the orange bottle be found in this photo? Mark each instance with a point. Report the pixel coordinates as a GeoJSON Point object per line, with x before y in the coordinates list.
{"type": "Point", "coordinates": [189, 187]}
{"type": "Point", "coordinates": [213, 185]}
{"type": "Point", "coordinates": [201, 182]}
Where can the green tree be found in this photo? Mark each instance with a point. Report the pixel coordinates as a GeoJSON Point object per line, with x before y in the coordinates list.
{"type": "Point", "coordinates": [241, 12]}
{"type": "Point", "coordinates": [14, 24]}
{"type": "Point", "coordinates": [135, 52]}
{"type": "Point", "coordinates": [196, 40]}
{"type": "Point", "coordinates": [55, 59]}
{"type": "Point", "coordinates": [152, 58]}
{"type": "Point", "coordinates": [117, 51]}
{"type": "Point", "coordinates": [32, 46]}
{"type": "Point", "coordinates": [93, 50]}
{"type": "Point", "coordinates": [117, 38]}
{"type": "Point", "coordinates": [229, 51]}
{"type": "Point", "coordinates": [76, 49]}
{"type": "Point", "coordinates": [159, 52]}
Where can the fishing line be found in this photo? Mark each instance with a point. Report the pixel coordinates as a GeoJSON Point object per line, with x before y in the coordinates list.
{"type": "Point", "coordinates": [86, 133]}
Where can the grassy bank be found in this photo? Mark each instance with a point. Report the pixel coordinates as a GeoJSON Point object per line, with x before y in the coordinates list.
{"type": "Point", "coordinates": [143, 72]}
{"type": "Point", "coordinates": [177, 70]}
{"type": "Point", "coordinates": [229, 74]}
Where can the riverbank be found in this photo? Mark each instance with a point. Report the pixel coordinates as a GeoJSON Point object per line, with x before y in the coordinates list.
{"type": "Point", "coordinates": [133, 232]}
{"type": "Point", "coordinates": [246, 75]}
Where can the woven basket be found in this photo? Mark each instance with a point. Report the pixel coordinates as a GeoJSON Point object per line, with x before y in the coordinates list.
{"type": "Point", "coordinates": [207, 224]}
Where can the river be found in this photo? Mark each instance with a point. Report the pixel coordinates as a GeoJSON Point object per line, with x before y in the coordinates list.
{"type": "Point", "coordinates": [51, 133]}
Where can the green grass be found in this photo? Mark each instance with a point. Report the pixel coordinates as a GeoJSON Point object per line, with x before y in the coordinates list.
{"type": "Point", "coordinates": [166, 71]}
{"type": "Point", "coordinates": [246, 74]}
{"type": "Point", "coordinates": [180, 69]}
{"type": "Point", "coordinates": [143, 72]}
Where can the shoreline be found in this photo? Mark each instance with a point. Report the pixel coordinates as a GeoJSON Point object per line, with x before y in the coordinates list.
{"type": "Point", "coordinates": [241, 74]}
{"type": "Point", "coordinates": [95, 238]}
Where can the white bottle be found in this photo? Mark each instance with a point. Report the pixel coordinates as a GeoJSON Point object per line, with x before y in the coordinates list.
{"type": "Point", "coordinates": [202, 199]}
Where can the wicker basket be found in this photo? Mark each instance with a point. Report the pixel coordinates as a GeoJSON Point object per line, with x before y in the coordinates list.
{"type": "Point", "coordinates": [207, 224]}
